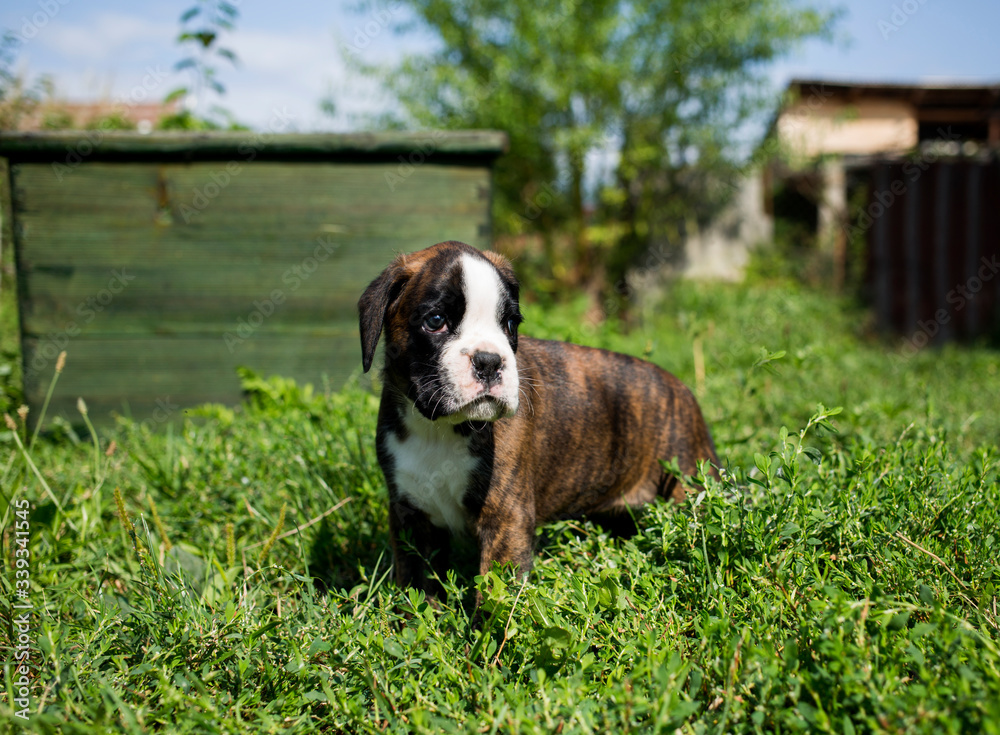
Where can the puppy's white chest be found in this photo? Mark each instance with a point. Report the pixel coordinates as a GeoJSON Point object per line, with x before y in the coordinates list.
{"type": "Point", "coordinates": [432, 469]}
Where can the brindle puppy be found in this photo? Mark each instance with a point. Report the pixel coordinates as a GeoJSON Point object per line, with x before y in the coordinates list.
{"type": "Point", "coordinates": [486, 432]}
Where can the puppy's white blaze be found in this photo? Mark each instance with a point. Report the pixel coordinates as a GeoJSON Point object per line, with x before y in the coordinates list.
{"type": "Point", "coordinates": [480, 331]}
{"type": "Point", "coordinates": [432, 469]}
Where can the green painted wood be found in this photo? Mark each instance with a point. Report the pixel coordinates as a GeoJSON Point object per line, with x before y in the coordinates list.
{"type": "Point", "coordinates": [178, 206]}
{"type": "Point", "coordinates": [142, 374]}
{"type": "Point", "coordinates": [102, 313]}
{"type": "Point", "coordinates": [159, 278]}
{"type": "Point", "coordinates": [310, 236]}
{"type": "Point", "coordinates": [6, 212]}
{"type": "Point", "coordinates": [92, 144]}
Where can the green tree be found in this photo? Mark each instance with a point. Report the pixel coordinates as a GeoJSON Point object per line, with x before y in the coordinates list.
{"type": "Point", "coordinates": [202, 25]}
{"type": "Point", "coordinates": [658, 87]}
{"type": "Point", "coordinates": [19, 96]}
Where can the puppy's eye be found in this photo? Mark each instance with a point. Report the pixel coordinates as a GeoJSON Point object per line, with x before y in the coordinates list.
{"type": "Point", "coordinates": [512, 325]}
{"type": "Point", "coordinates": [435, 323]}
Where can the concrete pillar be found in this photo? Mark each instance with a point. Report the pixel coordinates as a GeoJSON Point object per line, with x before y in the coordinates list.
{"type": "Point", "coordinates": [831, 237]}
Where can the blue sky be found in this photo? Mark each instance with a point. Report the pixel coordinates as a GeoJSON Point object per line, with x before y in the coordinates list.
{"type": "Point", "coordinates": [291, 58]}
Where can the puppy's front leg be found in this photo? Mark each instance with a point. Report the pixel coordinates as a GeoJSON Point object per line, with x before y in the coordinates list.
{"type": "Point", "coordinates": [514, 544]}
{"type": "Point", "coordinates": [510, 541]}
{"type": "Point", "coordinates": [506, 530]}
{"type": "Point", "coordinates": [415, 543]}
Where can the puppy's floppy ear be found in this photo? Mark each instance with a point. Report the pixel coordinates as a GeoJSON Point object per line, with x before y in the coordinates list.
{"type": "Point", "coordinates": [373, 305]}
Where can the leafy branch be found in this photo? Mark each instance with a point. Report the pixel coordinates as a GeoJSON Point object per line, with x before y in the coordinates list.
{"type": "Point", "coordinates": [202, 25]}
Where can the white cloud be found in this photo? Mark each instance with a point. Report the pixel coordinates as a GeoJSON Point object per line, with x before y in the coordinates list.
{"type": "Point", "coordinates": [290, 68]}
{"type": "Point", "coordinates": [295, 71]}
{"type": "Point", "coordinates": [286, 54]}
{"type": "Point", "coordinates": [103, 40]}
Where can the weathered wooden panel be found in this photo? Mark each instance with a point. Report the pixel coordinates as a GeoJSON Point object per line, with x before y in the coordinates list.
{"type": "Point", "coordinates": [314, 233]}
{"type": "Point", "coordinates": [138, 376]}
{"type": "Point", "coordinates": [160, 268]}
{"type": "Point", "coordinates": [69, 147]}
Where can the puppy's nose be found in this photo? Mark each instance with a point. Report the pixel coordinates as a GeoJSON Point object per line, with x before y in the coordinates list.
{"type": "Point", "coordinates": [487, 366]}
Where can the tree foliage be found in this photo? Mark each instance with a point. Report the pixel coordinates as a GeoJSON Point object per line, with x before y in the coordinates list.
{"type": "Point", "coordinates": [19, 95]}
{"type": "Point", "coordinates": [655, 88]}
{"type": "Point", "coordinates": [202, 25]}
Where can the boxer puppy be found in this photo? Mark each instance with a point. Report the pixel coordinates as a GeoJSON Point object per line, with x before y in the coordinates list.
{"type": "Point", "coordinates": [481, 431]}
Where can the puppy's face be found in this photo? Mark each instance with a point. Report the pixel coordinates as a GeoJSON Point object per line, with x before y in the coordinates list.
{"type": "Point", "coordinates": [450, 315]}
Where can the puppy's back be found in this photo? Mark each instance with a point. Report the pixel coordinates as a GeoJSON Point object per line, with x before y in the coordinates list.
{"type": "Point", "coordinates": [608, 419]}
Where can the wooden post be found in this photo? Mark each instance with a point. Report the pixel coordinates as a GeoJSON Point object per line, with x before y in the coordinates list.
{"type": "Point", "coordinates": [6, 218]}
{"type": "Point", "coordinates": [994, 131]}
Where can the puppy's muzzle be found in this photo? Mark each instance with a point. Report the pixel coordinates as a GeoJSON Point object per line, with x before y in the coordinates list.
{"type": "Point", "coordinates": [486, 366]}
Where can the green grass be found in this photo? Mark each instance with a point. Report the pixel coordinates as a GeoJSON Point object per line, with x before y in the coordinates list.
{"type": "Point", "coordinates": [841, 581]}
{"type": "Point", "coordinates": [10, 352]}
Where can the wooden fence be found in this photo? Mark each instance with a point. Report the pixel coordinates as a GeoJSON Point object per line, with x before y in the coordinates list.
{"type": "Point", "coordinates": [933, 270]}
